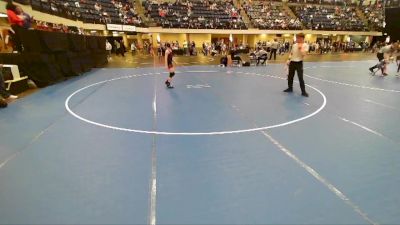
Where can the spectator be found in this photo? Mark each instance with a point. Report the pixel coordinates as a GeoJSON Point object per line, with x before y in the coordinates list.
{"type": "Point", "coordinates": [13, 17]}
{"type": "Point", "coordinates": [274, 49]}
{"type": "Point", "coordinates": [17, 23]}
{"type": "Point", "coordinates": [108, 48]}
{"type": "Point", "coordinates": [133, 48]}
{"type": "Point", "coordinates": [97, 7]}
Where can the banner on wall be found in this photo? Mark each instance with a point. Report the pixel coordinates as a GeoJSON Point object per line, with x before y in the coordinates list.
{"type": "Point", "coordinates": [119, 27]}
{"type": "Point", "coordinates": [128, 28]}
{"type": "Point", "coordinates": [116, 27]}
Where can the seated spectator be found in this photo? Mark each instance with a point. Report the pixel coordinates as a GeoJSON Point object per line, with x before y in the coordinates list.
{"type": "Point", "coordinates": [261, 55]}
{"type": "Point", "coordinates": [97, 6]}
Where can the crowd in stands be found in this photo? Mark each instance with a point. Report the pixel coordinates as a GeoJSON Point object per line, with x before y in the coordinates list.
{"type": "Point", "coordinates": [266, 15]}
{"type": "Point", "coordinates": [57, 27]}
{"type": "Point", "coordinates": [339, 18]}
{"type": "Point", "coordinates": [325, 2]}
{"type": "Point", "coordinates": [195, 14]}
{"type": "Point", "coordinates": [187, 48]}
{"type": "Point", "coordinates": [91, 11]}
{"type": "Point", "coordinates": [374, 15]}
{"type": "Point", "coordinates": [217, 47]}
{"type": "Point", "coordinates": [328, 46]}
{"type": "Point", "coordinates": [392, 3]}
{"type": "Point", "coordinates": [338, 15]}
{"type": "Point", "coordinates": [17, 17]}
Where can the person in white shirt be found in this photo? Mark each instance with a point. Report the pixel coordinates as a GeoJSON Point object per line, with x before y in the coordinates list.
{"type": "Point", "coordinates": [274, 48]}
{"type": "Point", "coordinates": [295, 62]}
{"type": "Point", "coordinates": [108, 48]}
{"type": "Point", "coordinates": [262, 56]}
{"type": "Point", "coordinates": [133, 48]}
{"type": "Point", "coordinates": [268, 45]}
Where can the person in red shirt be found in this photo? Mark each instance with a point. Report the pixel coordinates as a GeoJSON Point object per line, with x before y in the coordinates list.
{"type": "Point", "coordinates": [16, 22]}
{"type": "Point", "coordinates": [13, 18]}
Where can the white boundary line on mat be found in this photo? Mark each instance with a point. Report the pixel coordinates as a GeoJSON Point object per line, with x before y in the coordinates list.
{"type": "Point", "coordinates": [188, 133]}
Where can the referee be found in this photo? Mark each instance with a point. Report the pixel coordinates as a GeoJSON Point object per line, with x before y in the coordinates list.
{"type": "Point", "coordinates": [295, 61]}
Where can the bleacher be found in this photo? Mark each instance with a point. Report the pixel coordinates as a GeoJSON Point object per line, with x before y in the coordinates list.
{"type": "Point", "coordinates": [270, 16]}
{"type": "Point", "coordinates": [321, 17]}
{"type": "Point", "coordinates": [108, 11]}
{"type": "Point", "coordinates": [325, 2]}
{"type": "Point", "coordinates": [374, 15]}
{"type": "Point", "coordinates": [332, 15]}
{"type": "Point", "coordinates": [195, 15]}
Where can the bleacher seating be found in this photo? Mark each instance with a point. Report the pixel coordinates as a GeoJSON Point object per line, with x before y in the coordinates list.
{"type": "Point", "coordinates": [196, 14]}
{"type": "Point", "coordinates": [329, 18]}
{"type": "Point", "coordinates": [325, 2]}
{"type": "Point", "coordinates": [91, 11]}
{"type": "Point", "coordinates": [374, 15]}
{"type": "Point", "coordinates": [271, 16]}
{"type": "Point", "coordinates": [332, 15]}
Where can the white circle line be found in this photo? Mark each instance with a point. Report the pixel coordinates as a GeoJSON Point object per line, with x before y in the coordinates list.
{"type": "Point", "coordinates": [353, 85]}
{"type": "Point", "coordinates": [347, 84]}
{"type": "Point", "coordinates": [189, 133]}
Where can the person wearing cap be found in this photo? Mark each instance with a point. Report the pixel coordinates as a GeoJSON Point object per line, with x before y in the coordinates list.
{"type": "Point", "coordinates": [295, 63]}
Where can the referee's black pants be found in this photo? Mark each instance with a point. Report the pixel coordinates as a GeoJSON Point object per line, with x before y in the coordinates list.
{"type": "Point", "coordinates": [296, 66]}
{"type": "Point", "coordinates": [273, 52]}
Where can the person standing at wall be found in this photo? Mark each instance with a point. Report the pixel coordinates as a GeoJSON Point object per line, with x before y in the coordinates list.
{"type": "Point", "coordinates": [108, 48]}
{"type": "Point", "coordinates": [274, 49]}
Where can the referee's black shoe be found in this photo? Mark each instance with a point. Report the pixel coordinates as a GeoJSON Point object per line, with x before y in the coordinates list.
{"type": "Point", "coordinates": [304, 94]}
{"type": "Point", "coordinates": [288, 90]}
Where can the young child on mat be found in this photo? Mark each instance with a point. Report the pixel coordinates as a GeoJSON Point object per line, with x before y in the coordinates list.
{"type": "Point", "coordinates": [169, 65]}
